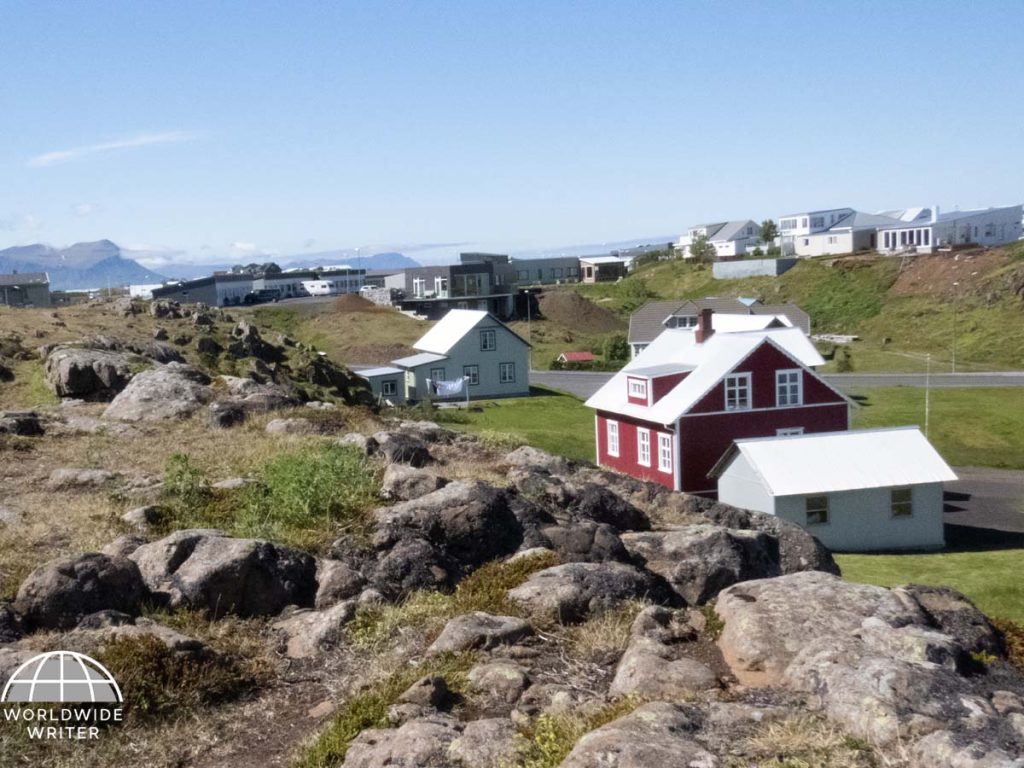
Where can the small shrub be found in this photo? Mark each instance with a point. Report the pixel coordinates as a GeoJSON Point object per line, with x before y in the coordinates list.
{"type": "Point", "coordinates": [156, 681]}
{"type": "Point", "coordinates": [714, 624]}
{"type": "Point", "coordinates": [804, 742]}
{"type": "Point", "coordinates": [551, 737]}
{"type": "Point", "coordinates": [844, 360]}
{"type": "Point", "coordinates": [604, 633]}
{"type": "Point", "coordinates": [501, 441]}
{"type": "Point", "coordinates": [185, 482]}
{"type": "Point", "coordinates": [984, 658]}
{"type": "Point", "coordinates": [1013, 636]}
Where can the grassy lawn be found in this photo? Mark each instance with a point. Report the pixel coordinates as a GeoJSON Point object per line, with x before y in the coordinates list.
{"type": "Point", "coordinates": [990, 579]}
{"type": "Point", "coordinates": [549, 420]}
{"type": "Point", "coordinates": [975, 427]}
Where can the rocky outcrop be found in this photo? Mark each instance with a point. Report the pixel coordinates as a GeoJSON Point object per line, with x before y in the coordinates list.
{"type": "Point", "coordinates": [21, 423]}
{"type": "Point", "coordinates": [58, 594]}
{"type": "Point", "coordinates": [480, 631]}
{"type": "Point", "coordinates": [88, 374]}
{"type": "Point", "coordinates": [171, 391]}
{"type": "Point", "coordinates": [402, 448]}
{"type": "Point", "coordinates": [205, 570]}
{"type": "Point", "coordinates": [419, 743]}
{"type": "Point", "coordinates": [570, 592]}
{"type": "Point", "coordinates": [403, 483]}
{"type": "Point", "coordinates": [698, 561]}
{"type": "Point", "coordinates": [306, 633]}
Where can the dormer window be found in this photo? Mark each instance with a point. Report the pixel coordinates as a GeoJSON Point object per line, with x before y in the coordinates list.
{"type": "Point", "coordinates": [638, 388]}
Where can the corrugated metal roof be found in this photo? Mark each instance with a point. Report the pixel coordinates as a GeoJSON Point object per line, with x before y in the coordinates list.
{"type": "Point", "coordinates": [25, 278]}
{"type": "Point", "coordinates": [842, 461]}
{"type": "Point", "coordinates": [449, 329]}
{"type": "Point", "coordinates": [710, 361]}
{"type": "Point", "coordinates": [421, 359]}
{"type": "Point", "coordinates": [369, 373]}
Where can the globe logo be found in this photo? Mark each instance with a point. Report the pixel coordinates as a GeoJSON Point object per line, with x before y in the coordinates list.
{"type": "Point", "coordinates": [61, 676]}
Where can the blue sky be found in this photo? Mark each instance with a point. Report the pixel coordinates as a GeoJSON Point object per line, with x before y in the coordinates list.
{"type": "Point", "coordinates": [216, 131]}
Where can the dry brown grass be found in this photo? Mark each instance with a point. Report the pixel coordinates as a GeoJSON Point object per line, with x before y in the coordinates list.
{"type": "Point", "coordinates": [809, 741]}
{"type": "Point", "coordinates": [604, 633]}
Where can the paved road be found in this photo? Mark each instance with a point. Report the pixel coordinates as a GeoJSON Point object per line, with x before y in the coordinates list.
{"type": "Point", "coordinates": [585, 383]}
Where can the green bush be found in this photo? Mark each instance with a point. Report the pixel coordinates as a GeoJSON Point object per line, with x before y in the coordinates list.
{"type": "Point", "coordinates": [184, 481]}
{"type": "Point", "coordinates": [616, 347]}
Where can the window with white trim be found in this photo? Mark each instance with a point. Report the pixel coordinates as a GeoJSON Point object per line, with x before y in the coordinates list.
{"type": "Point", "coordinates": [789, 388]}
{"type": "Point", "coordinates": [664, 452]}
{"type": "Point", "coordinates": [507, 373]}
{"type": "Point", "coordinates": [612, 428]}
{"type": "Point", "coordinates": [472, 374]}
{"type": "Point", "coordinates": [643, 446]}
{"type": "Point", "coordinates": [437, 374]}
{"type": "Point", "coordinates": [487, 341]}
{"type": "Point", "coordinates": [638, 388]}
{"type": "Point", "coordinates": [817, 510]}
{"type": "Point", "coordinates": [901, 502]}
{"type": "Point", "coordinates": [737, 392]}
{"type": "Point", "coordinates": [789, 431]}
{"type": "Point", "coordinates": [389, 387]}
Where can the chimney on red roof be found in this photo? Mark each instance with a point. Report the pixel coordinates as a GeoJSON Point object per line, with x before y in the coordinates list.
{"type": "Point", "coordinates": [704, 330]}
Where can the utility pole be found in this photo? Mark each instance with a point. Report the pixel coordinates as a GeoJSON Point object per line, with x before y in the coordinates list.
{"type": "Point", "coordinates": [529, 328]}
{"type": "Point", "coordinates": [927, 391]}
{"type": "Point", "coordinates": [956, 308]}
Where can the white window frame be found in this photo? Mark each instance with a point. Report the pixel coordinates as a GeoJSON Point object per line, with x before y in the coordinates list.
{"type": "Point", "coordinates": [612, 436]}
{"type": "Point", "coordinates": [389, 384]}
{"type": "Point", "coordinates": [902, 507]}
{"type": "Point", "coordinates": [502, 377]}
{"type": "Point", "coordinates": [665, 452]}
{"type": "Point", "coordinates": [485, 346]}
{"type": "Point", "coordinates": [472, 374]}
{"type": "Point", "coordinates": [783, 388]}
{"type": "Point", "coordinates": [637, 387]}
{"type": "Point", "coordinates": [437, 374]}
{"type": "Point", "coordinates": [818, 509]}
{"type": "Point", "coordinates": [732, 384]}
{"type": "Point", "coordinates": [789, 431]}
{"type": "Point", "coordinates": [643, 446]}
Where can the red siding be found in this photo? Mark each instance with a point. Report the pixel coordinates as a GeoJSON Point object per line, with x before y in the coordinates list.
{"type": "Point", "coordinates": [762, 363]}
{"type": "Point", "coordinates": [626, 461]}
{"type": "Point", "coordinates": [647, 388]}
{"type": "Point", "coordinates": [664, 384]}
{"type": "Point", "coordinates": [705, 438]}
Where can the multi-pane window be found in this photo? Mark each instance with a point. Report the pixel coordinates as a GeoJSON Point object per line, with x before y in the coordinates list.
{"type": "Point", "coordinates": [737, 392]}
{"type": "Point", "coordinates": [472, 374]}
{"type": "Point", "coordinates": [664, 452]}
{"type": "Point", "coordinates": [643, 446]}
{"type": "Point", "coordinates": [613, 438]}
{"type": "Point", "coordinates": [817, 510]}
{"type": "Point", "coordinates": [488, 343]}
{"type": "Point", "coordinates": [901, 502]}
{"type": "Point", "coordinates": [788, 388]}
{"type": "Point", "coordinates": [507, 373]}
{"type": "Point", "coordinates": [389, 387]}
{"type": "Point", "coordinates": [437, 374]}
{"type": "Point", "coordinates": [637, 388]}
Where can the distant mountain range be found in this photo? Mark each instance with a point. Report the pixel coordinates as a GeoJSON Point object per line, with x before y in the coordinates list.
{"type": "Point", "coordinates": [82, 265]}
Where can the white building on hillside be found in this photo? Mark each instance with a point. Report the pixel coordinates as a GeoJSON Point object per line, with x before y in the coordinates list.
{"type": "Point", "coordinates": [799, 225]}
{"type": "Point", "coordinates": [860, 490]}
{"type": "Point", "coordinates": [857, 231]}
{"type": "Point", "coordinates": [934, 229]}
{"type": "Point", "coordinates": [730, 238]}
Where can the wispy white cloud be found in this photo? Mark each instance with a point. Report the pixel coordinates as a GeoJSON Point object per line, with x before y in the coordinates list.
{"type": "Point", "coordinates": [139, 140]}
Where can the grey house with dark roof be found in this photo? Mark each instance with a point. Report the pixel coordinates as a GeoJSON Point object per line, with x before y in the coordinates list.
{"type": "Point", "coordinates": [648, 322]}
{"type": "Point", "coordinates": [25, 289]}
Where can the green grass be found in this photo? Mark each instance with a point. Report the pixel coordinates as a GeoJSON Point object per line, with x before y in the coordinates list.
{"type": "Point", "coordinates": [549, 420]}
{"type": "Point", "coordinates": [990, 579]}
{"type": "Point", "coordinates": [977, 426]}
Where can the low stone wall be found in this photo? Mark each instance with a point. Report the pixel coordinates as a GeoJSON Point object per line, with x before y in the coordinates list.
{"type": "Point", "coordinates": [730, 270]}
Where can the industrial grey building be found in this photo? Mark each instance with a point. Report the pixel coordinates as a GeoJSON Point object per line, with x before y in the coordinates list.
{"type": "Point", "coordinates": [25, 289]}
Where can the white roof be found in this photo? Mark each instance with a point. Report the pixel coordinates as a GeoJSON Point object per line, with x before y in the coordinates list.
{"type": "Point", "coordinates": [842, 461]}
{"type": "Point", "coordinates": [604, 259]}
{"type": "Point", "coordinates": [421, 359]}
{"type": "Point", "coordinates": [449, 329]}
{"type": "Point", "coordinates": [369, 373]}
{"type": "Point", "coordinates": [708, 362]}
{"type": "Point", "coordinates": [726, 323]}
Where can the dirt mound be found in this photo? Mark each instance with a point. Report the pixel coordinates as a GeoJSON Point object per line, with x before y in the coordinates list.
{"type": "Point", "coordinates": [935, 274]}
{"type": "Point", "coordinates": [571, 309]}
{"type": "Point", "coordinates": [351, 302]}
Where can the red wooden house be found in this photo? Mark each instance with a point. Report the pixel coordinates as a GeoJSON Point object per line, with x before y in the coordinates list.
{"type": "Point", "coordinates": [675, 409]}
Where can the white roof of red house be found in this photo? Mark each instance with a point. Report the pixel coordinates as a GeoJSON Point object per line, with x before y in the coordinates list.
{"type": "Point", "coordinates": [676, 350]}
{"type": "Point", "coordinates": [827, 462]}
{"type": "Point", "coordinates": [578, 357]}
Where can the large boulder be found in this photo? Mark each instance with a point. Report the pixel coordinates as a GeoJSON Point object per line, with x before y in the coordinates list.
{"type": "Point", "coordinates": [306, 633]}
{"type": "Point", "coordinates": [402, 448]}
{"type": "Point", "coordinates": [480, 631]}
{"type": "Point", "coordinates": [699, 561]}
{"type": "Point", "coordinates": [952, 613]}
{"type": "Point", "coordinates": [464, 525]}
{"type": "Point", "coordinates": [254, 396]}
{"type": "Point", "coordinates": [170, 391]}
{"type": "Point", "coordinates": [486, 743]}
{"type": "Point", "coordinates": [59, 593]}
{"type": "Point", "coordinates": [420, 743]}
{"type": "Point", "coordinates": [75, 478]}
{"type": "Point", "coordinates": [247, 342]}
{"type": "Point", "coordinates": [656, 734]}
{"type": "Point", "coordinates": [402, 482]}
{"type": "Point", "coordinates": [22, 423]}
{"type": "Point", "coordinates": [88, 374]}
{"type": "Point", "coordinates": [585, 542]}
{"type": "Point", "coordinates": [654, 665]}
{"type": "Point", "coordinates": [203, 569]}
{"type": "Point", "coordinates": [570, 592]}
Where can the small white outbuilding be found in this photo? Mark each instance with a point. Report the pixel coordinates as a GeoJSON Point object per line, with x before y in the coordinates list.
{"type": "Point", "coordinates": [856, 491]}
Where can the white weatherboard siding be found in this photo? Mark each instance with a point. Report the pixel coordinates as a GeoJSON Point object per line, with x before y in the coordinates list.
{"type": "Point", "coordinates": [742, 487]}
{"type": "Point", "coordinates": [861, 521]}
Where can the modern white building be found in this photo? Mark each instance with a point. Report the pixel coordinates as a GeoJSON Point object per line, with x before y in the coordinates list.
{"type": "Point", "coordinates": [730, 238]}
{"type": "Point", "coordinates": [466, 344]}
{"type": "Point", "coordinates": [861, 490]}
{"type": "Point", "coordinates": [857, 231]}
{"type": "Point", "coordinates": [933, 230]}
{"type": "Point", "coordinates": [800, 225]}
